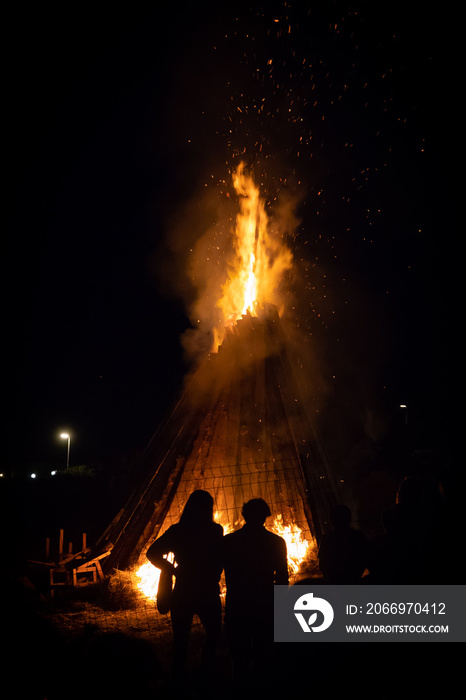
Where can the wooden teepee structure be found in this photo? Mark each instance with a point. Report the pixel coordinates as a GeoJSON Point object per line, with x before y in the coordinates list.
{"type": "Point", "coordinates": [238, 431]}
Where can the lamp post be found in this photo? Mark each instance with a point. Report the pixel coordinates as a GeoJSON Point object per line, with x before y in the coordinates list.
{"type": "Point", "coordinates": [65, 436]}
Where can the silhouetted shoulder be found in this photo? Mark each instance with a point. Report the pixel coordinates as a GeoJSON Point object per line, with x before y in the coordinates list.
{"type": "Point", "coordinates": [218, 529]}
{"type": "Point", "coordinates": [255, 536]}
{"type": "Point", "coordinates": [163, 543]}
{"type": "Point", "coordinates": [276, 539]}
{"type": "Point", "coordinates": [231, 537]}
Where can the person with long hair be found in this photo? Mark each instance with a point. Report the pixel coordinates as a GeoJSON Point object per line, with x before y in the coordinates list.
{"type": "Point", "coordinates": [196, 544]}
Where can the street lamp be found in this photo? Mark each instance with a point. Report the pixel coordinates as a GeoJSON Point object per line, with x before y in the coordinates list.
{"type": "Point", "coordinates": [65, 436]}
{"type": "Point", "coordinates": [404, 407]}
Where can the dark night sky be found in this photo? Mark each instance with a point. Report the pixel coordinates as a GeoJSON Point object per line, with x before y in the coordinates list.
{"type": "Point", "coordinates": [115, 119]}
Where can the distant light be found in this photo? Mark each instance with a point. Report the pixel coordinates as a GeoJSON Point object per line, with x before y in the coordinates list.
{"type": "Point", "coordinates": [64, 435]}
{"type": "Point", "coordinates": [402, 405]}
{"type": "Point", "coordinates": [33, 476]}
{"type": "Point", "coordinates": [53, 472]}
{"type": "Point", "coordinates": [2, 475]}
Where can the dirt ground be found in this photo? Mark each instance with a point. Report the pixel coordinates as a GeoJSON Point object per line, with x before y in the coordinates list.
{"type": "Point", "coordinates": [78, 646]}
{"type": "Point", "coordinates": [85, 642]}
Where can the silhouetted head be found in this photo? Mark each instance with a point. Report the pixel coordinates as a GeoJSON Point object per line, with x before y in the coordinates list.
{"type": "Point", "coordinates": [256, 511]}
{"type": "Point", "coordinates": [340, 517]}
{"type": "Point", "coordinates": [199, 508]}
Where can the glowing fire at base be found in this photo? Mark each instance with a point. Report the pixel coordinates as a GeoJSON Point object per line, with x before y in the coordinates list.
{"type": "Point", "coordinates": [298, 548]}
{"type": "Point", "coordinates": [147, 577]}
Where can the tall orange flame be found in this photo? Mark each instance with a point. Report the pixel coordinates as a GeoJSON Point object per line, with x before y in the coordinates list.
{"type": "Point", "coordinates": [259, 261]}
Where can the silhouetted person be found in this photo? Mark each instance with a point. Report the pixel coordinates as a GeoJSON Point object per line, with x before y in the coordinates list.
{"type": "Point", "coordinates": [343, 552]}
{"type": "Point", "coordinates": [404, 553]}
{"type": "Point", "coordinates": [254, 560]}
{"type": "Point", "coordinates": [196, 543]}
